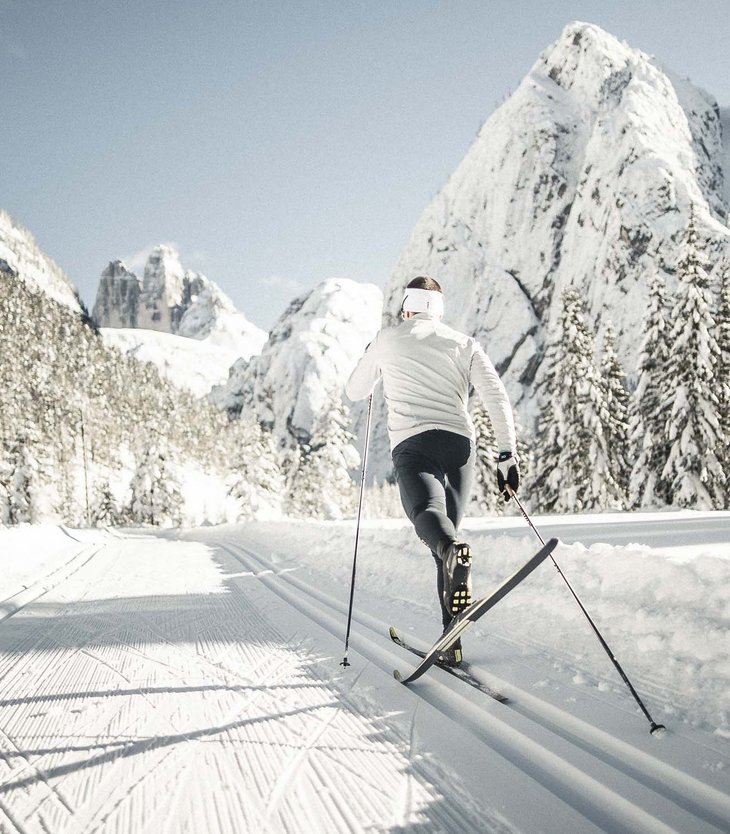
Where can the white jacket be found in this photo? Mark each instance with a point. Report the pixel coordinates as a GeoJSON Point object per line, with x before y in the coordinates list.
{"type": "Point", "coordinates": [427, 368]}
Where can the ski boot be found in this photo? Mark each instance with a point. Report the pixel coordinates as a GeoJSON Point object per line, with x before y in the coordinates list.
{"type": "Point", "coordinates": [457, 577]}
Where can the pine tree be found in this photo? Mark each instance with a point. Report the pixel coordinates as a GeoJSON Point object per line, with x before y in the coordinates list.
{"type": "Point", "coordinates": [155, 493]}
{"type": "Point", "coordinates": [615, 418]}
{"type": "Point", "coordinates": [693, 471]}
{"type": "Point", "coordinates": [258, 483]}
{"type": "Point", "coordinates": [486, 498]}
{"type": "Point", "coordinates": [320, 483]}
{"type": "Point", "coordinates": [5, 479]}
{"type": "Point", "coordinates": [574, 456]}
{"type": "Point", "coordinates": [647, 424]}
{"type": "Point", "coordinates": [21, 484]}
{"type": "Point", "coordinates": [722, 320]}
{"type": "Point", "coordinates": [104, 509]}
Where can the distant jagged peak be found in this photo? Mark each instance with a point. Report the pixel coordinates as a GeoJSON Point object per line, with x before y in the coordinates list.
{"type": "Point", "coordinates": [118, 270]}
{"type": "Point", "coordinates": [164, 275]}
{"type": "Point", "coordinates": [172, 299]}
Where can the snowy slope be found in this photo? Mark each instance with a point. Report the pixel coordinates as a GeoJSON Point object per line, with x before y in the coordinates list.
{"type": "Point", "coordinates": [196, 365]}
{"type": "Point", "coordinates": [21, 253]}
{"type": "Point", "coordinates": [157, 659]}
{"type": "Point", "coordinates": [311, 351]}
{"type": "Point", "coordinates": [585, 177]}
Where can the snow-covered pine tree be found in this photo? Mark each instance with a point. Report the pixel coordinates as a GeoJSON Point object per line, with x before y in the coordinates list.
{"type": "Point", "coordinates": [648, 406]}
{"type": "Point", "coordinates": [104, 509]}
{"type": "Point", "coordinates": [486, 499]}
{"type": "Point", "coordinates": [155, 492]}
{"type": "Point", "coordinates": [722, 320]}
{"type": "Point", "coordinates": [21, 483]}
{"type": "Point", "coordinates": [5, 477]}
{"type": "Point", "coordinates": [258, 482]}
{"type": "Point", "coordinates": [574, 456]}
{"type": "Point", "coordinates": [319, 483]}
{"type": "Point", "coordinates": [693, 471]}
{"type": "Point", "coordinates": [615, 419]}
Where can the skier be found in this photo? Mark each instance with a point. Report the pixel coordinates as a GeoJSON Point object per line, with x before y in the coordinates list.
{"type": "Point", "coordinates": [427, 369]}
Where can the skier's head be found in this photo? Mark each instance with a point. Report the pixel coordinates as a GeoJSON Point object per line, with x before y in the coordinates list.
{"type": "Point", "coordinates": [422, 295]}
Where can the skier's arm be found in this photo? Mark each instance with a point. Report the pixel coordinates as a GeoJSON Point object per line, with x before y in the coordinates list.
{"type": "Point", "coordinates": [367, 372]}
{"type": "Point", "coordinates": [485, 379]}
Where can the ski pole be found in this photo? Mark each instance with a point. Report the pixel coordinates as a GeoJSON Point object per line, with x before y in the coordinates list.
{"type": "Point", "coordinates": [345, 661]}
{"type": "Point", "coordinates": [653, 725]}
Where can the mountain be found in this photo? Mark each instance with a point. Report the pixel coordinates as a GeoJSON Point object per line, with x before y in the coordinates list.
{"type": "Point", "coordinates": [191, 364]}
{"type": "Point", "coordinates": [298, 377]}
{"type": "Point", "coordinates": [20, 254]}
{"type": "Point", "coordinates": [178, 305]}
{"type": "Point", "coordinates": [585, 177]}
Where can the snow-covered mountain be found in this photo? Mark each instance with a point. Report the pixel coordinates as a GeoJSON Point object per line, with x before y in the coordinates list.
{"type": "Point", "coordinates": [584, 177]}
{"type": "Point", "coordinates": [191, 364]}
{"type": "Point", "coordinates": [298, 376]}
{"type": "Point", "coordinates": [20, 252]}
{"type": "Point", "coordinates": [180, 304]}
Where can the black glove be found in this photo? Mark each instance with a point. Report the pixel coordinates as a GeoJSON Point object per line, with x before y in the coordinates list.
{"type": "Point", "coordinates": [508, 474]}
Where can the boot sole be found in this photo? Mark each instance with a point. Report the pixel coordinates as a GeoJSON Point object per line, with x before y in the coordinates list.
{"type": "Point", "coordinates": [460, 596]}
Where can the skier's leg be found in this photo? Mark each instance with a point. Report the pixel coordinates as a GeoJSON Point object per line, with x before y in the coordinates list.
{"type": "Point", "coordinates": [434, 472]}
{"type": "Point", "coordinates": [421, 483]}
{"type": "Point", "coordinates": [458, 464]}
{"type": "Point", "coordinates": [423, 495]}
{"type": "Point", "coordinates": [446, 615]}
{"type": "Point", "coordinates": [459, 481]}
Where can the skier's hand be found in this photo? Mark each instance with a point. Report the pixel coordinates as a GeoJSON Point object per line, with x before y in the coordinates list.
{"type": "Point", "coordinates": [508, 474]}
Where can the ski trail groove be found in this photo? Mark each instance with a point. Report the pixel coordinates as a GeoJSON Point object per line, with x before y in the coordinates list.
{"type": "Point", "coordinates": [25, 596]}
{"type": "Point", "coordinates": [573, 737]}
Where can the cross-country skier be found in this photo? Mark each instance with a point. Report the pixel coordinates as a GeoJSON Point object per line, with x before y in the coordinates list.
{"type": "Point", "coordinates": [427, 370]}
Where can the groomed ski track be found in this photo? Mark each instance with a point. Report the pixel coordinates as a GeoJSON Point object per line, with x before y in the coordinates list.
{"type": "Point", "coordinates": [192, 684]}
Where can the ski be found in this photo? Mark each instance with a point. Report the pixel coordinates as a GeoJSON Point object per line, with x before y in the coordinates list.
{"type": "Point", "coordinates": [460, 672]}
{"type": "Point", "coordinates": [477, 609]}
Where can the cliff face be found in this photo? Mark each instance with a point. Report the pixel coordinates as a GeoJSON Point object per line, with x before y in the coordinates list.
{"type": "Point", "coordinates": [117, 301]}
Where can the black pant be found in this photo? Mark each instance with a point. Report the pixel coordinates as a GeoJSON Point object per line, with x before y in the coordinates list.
{"type": "Point", "coordinates": [435, 471]}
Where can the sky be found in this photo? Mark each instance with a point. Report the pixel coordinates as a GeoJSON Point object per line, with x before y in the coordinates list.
{"type": "Point", "coordinates": [276, 144]}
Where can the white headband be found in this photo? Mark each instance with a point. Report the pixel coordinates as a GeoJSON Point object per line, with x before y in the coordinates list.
{"type": "Point", "coordinates": [416, 300]}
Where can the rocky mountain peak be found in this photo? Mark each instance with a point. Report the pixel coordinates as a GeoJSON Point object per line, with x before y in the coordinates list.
{"type": "Point", "coordinates": [584, 58]}
{"type": "Point", "coordinates": [171, 299]}
{"type": "Point", "coordinates": [164, 279]}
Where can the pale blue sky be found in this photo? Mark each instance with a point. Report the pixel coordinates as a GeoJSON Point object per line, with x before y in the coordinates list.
{"type": "Point", "coordinates": [275, 143]}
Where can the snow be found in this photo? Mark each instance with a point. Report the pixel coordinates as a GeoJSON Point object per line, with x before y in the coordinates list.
{"type": "Point", "coordinates": [188, 363]}
{"type": "Point", "coordinates": [191, 681]}
{"type": "Point", "coordinates": [21, 253]}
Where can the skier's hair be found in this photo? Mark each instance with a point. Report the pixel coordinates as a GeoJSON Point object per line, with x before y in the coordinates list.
{"type": "Point", "coordinates": [423, 282]}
